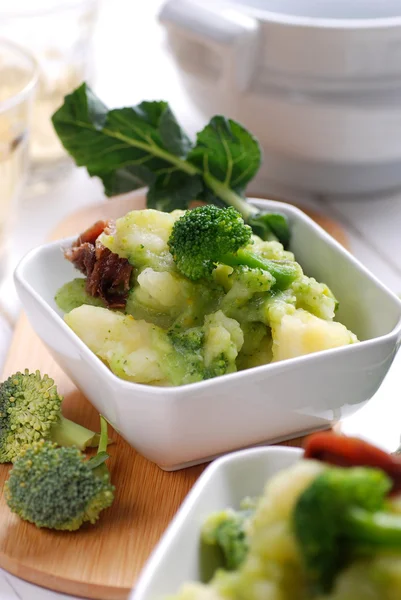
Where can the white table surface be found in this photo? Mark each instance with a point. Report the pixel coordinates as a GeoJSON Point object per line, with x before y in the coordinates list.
{"type": "Point", "coordinates": [136, 66]}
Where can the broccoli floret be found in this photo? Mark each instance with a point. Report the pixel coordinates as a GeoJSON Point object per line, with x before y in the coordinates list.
{"type": "Point", "coordinates": [341, 515]}
{"type": "Point", "coordinates": [228, 530]}
{"type": "Point", "coordinates": [206, 236]}
{"type": "Point", "coordinates": [223, 341]}
{"type": "Point", "coordinates": [315, 297]}
{"type": "Point", "coordinates": [57, 488]}
{"type": "Point", "coordinates": [30, 410]}
{"type": "Point", "coordinates": [205, 352]}
{"type": "Point", "coordinates": [203, 236]}
{"type": "Point", "coordinates": [257, 348]}
{"type": "Point", "coordinates": [187, 361]}
{"type": "Point", "coordinates": [245, 283]}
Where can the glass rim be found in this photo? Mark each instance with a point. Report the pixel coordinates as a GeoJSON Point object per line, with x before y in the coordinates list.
{"type": "Point", "coordinates": [13, 13]}
{"type": "Point", "coordinates": [19, 96]}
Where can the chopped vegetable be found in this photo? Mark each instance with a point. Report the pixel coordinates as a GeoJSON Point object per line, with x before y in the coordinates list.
{"type": "Point", "coordinates": [208, 235]}
{"type": "Point", "coordinates": [341, 512]}
{"type": "Point", "coordinates": [227, 530]}
{"type": "Point", "coordinates": [142, 352]}
{"type": "Point", "coordinates": [267, 309]}
{"type": "Point", "coordinates": [57, 488]}
{"type": "Point", "coordinates": [30, 410]}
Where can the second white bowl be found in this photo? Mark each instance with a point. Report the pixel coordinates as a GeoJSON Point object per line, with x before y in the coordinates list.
{"type": "Point", "coordinates": [225, 483]}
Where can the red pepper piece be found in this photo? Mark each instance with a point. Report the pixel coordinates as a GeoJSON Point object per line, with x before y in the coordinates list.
{"type": "Point", "coordinates": [344, 451]}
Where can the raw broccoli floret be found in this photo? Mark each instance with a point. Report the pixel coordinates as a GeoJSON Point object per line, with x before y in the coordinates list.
{"type": "Point", "coordinates": [206, 236]}
{"type": "Point", "coordinates": [341, 515]}
{"type": "Point", "coordinates": [228, 530]}
{"type": "Point", "coordinates": [58, 488]}
{"type": "Point", "coordinates": [30, 410]}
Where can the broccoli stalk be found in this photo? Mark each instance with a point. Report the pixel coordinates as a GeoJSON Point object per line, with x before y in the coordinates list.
{"type": "Point", "coordinates": [268, 226]}
{"type": "Point", "coordinates": [343, 515]}
{"type": "Point", "coordinates": [30, 410]}
{"type": "Point", "coordinates": [57, 488]}
{"type": "Point", "coordinates": [209, 235]}
{"type": "Point", "coordinates": [67, 433]}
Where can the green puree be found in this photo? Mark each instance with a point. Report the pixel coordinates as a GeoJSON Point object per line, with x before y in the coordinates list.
{"type": "Point", "coordinates": [73, 294]}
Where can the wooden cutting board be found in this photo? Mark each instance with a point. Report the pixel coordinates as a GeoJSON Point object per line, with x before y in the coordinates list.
{"type": "Point", "coordinates": [101, 561]}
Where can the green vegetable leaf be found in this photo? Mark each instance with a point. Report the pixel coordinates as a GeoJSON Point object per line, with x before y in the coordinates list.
{"type": "Point", "coordinates": [228, 152]}
{"type": "Point", "coordinates": [173, 137]}
{"type": "Point", "coordinates": [174, 190]}
{"type": "Point", "coordinates": [271, 226]}
{"type": "Point", "coordinates": [144, 146]}
{"type": "Point", "coordinates": [127, 148]}
{"type": "Point", "coordinates": [127, 179]}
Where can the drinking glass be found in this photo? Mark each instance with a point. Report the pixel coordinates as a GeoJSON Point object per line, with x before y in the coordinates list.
{"type": "Point", "coordinates": [18, 78]}
{"type": "Point", "coordinates": [59, 34]}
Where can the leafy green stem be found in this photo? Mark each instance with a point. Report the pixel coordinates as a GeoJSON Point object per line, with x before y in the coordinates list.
{"type": "Point", "coordinates": [183, 165]}
{"type": "Point", "coordinates": [229, 196]}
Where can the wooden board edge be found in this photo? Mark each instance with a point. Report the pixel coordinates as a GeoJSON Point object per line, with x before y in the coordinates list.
{"type": "Point", "coordinates": [60, 585]}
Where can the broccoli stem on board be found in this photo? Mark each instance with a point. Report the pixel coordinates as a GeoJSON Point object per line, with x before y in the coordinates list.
{"type": "Point", "coordinates": [104, 440]}
{"type": "Point", "coordinates": [68, 433]}
{"type": "Point", "coordinates": [98, 462]}
{"type": "Point", "coordinates": [284, 272]}
{"type": "Point", "coordinates": [379, 529]}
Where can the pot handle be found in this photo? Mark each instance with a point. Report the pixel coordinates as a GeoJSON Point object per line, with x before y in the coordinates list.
{"type": "Point", "coordinates": [233, 35]}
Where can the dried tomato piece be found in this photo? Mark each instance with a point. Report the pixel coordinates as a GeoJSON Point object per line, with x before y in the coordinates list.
{"type": "Point", "coordinates": [107, 275]}
{"type": "Point", "coordinates": [344, 451]}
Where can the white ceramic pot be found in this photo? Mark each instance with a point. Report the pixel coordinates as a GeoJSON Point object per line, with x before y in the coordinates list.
{"type": "Point", "coordinates": [317, 81]}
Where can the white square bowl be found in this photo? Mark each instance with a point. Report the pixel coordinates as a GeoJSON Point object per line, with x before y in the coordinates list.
{"type": "Point", "coordinates": [176, 558]}
{"type": "Point", "coordinates": [180, 426]}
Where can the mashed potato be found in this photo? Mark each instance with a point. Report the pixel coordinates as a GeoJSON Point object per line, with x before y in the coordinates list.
{"type": "Point", "coordinates": [183, 331]}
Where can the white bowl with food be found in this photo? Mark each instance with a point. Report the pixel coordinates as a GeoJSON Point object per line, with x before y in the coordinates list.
{"type": "Point", "coordinates": [301, 367]}
{"type": "Point", "coordinates": [258, 524]}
